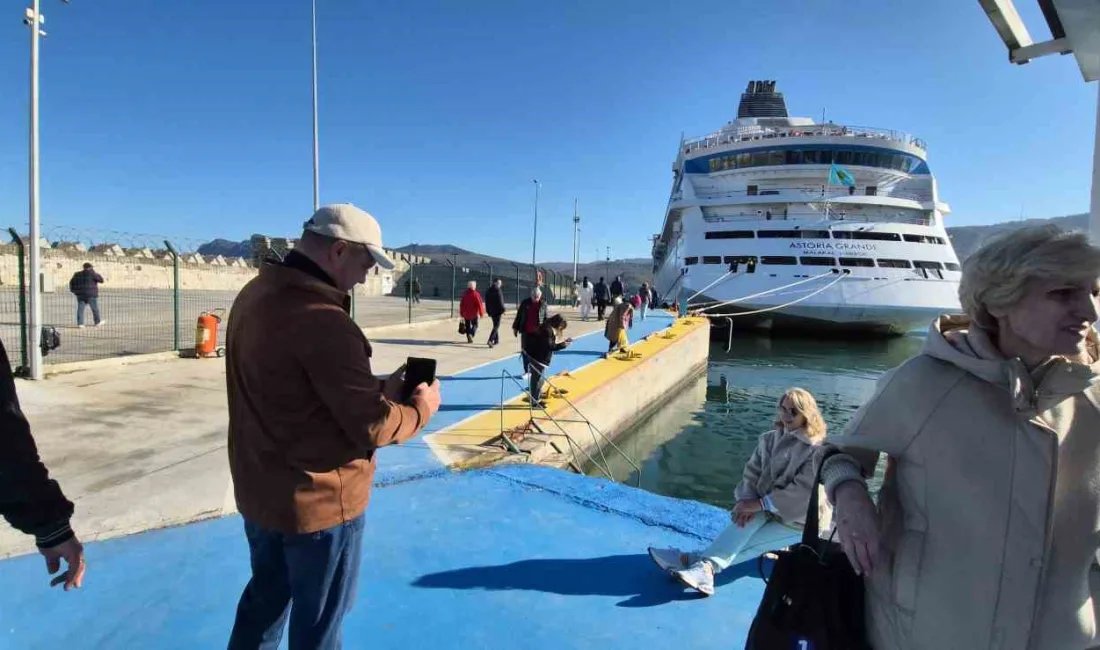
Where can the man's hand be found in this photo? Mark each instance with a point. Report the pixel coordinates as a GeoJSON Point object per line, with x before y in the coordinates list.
{"type": "Point", "coordinates": [568, 341]}
{"type": "Point", "coordinates": [744, 511]}
{"type": "Point", "coordinates": [515, 332]}
{"type": "Point", "coordinates": [73, 553]}
{"type": "Point", "coordinates": [857, 526]}
{"type": "Point", "coordinates": [430, 395]}
{"type": "Point", "coordinates": [393, 384]}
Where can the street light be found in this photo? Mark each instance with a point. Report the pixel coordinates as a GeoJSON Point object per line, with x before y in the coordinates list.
{"type": "Point", "coordinates": [535, 235]}
{"type": "Point", "coordinates": [316, 143]}
{"type": "Point", "coordinates": [576, 237]}
{"type": "Point", "coordinates": [34, 19]}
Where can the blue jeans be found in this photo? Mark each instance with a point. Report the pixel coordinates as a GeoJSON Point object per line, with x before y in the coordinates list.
{"type": "Point", "coordinates": [90, 301]}
{"type": "Point", "coordinates": [310, 577]}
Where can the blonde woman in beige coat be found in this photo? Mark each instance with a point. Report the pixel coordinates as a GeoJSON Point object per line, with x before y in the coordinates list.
{"type": "Point", "coordinates": [989, 515]}
{"type": "Point", "coordinates": [772, 497]}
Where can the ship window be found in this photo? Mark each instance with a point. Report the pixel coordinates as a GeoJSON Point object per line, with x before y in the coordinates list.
{"type": "Point", "coordinates": [778, 260]}
{"type": "Point", "coordinates": [777, 157]}
{"type": "Point", "coordinates": [895, 264]}
{"type": "Point", "coordinates": [856, 261]}
{"type": "Point", "coordinates": [924, 239]}
{"type": "Point", "coordinates": [827, 157]}
{"type": "Point", "coordinates": [872, 190]}
{"type": "Point", "coordinates": [730, 234]}
{"type": "Point", "coordinates": [759, 159]}
{"type": "Point", "coordinates": [712, 259]}
{"type": "Point", "coordinates": [844, 157]}
{"type": "Point", "coordinates": [743, 159]}
{"type": "Point", "coordinates": [752, 190]}
{"type": "Point", "coordinates": [811, 157]}
{"type": "Point", "coordinates": [691, 261]}
{"type": "Point", "coordinates": [740, 259]}
{"type": "Point", "coordinates": [818, 261]}
{"type": "Point", "coordinates": [777, 234]}
{"type": "Point", "coordinates": [928, 265]}
{"type": "Point", "coordinates": [951, 266]}
{"type": "Point", "coordinates": [866, 235]}
{"type": "Point", "coordinates": [794, 157]}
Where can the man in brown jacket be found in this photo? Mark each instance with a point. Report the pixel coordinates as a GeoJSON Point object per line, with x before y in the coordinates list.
{"type": "Point", "coordinates": [306, 418]}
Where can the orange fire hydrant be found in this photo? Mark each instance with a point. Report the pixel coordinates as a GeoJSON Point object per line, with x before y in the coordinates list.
{"type": "Point", "coordinates": [206, 334]}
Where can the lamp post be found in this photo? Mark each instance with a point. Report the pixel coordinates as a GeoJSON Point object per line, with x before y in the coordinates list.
{"type": "Point", "coordinates": [33, 18]}
{"type": "Point", "coordinates": [490, 267]}
{"type": "Point", "coordinates": [576, 237]}
{"type": "Point", "coordinates": [607, 264]}
{"type": "Point", "coordinates": [316, 143]}
{"type": "Point", "coordinates": [535, 234]}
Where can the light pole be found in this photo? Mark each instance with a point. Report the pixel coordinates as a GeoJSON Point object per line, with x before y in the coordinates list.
{"type": "Point", "coordinates": [535, 236]}
{"type": "Point", "coordinates": [576, 239]}
{"type": "Point", "coordinates": [34, 19]}
{"type": "Point", "coordinates": [316, 143]}
{"type": "Point", "coordinates": [607, 264]}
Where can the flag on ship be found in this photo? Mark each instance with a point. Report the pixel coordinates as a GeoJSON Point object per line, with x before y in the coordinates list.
{"type": "Point", "coordinates": [840, 176]}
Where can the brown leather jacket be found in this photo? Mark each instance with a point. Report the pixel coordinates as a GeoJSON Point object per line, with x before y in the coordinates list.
{"type": "Point", "coordinates": [306, 413]}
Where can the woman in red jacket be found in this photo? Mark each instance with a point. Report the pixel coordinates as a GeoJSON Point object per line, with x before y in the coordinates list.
{"type": "Point", "coordinates": [471, 308]}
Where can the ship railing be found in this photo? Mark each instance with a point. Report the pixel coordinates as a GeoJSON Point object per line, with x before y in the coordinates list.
{"type": "Point", "coordinates": [763, 133]}
{"type": "Point", "coordinates": [835, 216]}
{"type": "Point", "coordinates": [814, 192]}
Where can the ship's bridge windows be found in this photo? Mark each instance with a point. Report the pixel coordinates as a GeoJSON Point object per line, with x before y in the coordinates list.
{"type": "Point", "coordinates": [739, 259]}
{"type": "Point", "coordinates": [951, 266]}
{"type": "Point", "coordinates": [817, 261]}
{"type": "Point", "coordinates": [691, 261]}
{"type": "Point", "coordinates": [792, 234]}
{"type": "Point", "coordinates": [871, 235]}
{"type": "Point", "coordinates": [894, 264]}
{"type": "Point", "coordinates": [779, 260]}
{"type": "Point", "coordinates": [924, 239]}
{"type": "Point", "coordinates": [712, 259]}
{"type": "Point", "coordinates": [931, 266]}
{"type": "Point", "coordinates": [730, 234]}
{"type": "Point", "coordinates": [857, 261]}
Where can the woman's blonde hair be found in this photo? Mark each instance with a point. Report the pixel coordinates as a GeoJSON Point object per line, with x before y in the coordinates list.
{"type": "Point", "coordinates": [997, 274]}
{"type": "Point", "coordinates": [806, 405]}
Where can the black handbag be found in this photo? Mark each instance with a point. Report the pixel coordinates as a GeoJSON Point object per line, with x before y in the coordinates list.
{"type": "Point", "coordinates": [813, 600]}
{"type": "Point", "coordinates": [461, 327]}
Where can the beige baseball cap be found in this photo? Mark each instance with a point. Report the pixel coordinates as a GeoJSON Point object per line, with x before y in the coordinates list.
{"type": "Point", "coordinates": [351, 224]}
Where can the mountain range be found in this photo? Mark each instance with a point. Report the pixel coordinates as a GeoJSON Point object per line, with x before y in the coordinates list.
{"type": "Point", "coordinates": [634, 271]}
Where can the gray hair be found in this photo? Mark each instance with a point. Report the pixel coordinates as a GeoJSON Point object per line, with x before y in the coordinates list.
{"type": "Point", "coordinates": [536, 292]}
{"type": "Point", "coordinates": [997, 274]}
{"type": "Point", "coordinates": [472, 284]}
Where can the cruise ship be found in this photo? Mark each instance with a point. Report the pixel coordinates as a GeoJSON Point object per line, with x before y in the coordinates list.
{"type": "Point", "coordinates": [783, 223]}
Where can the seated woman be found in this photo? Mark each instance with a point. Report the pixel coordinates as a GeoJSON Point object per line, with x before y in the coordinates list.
{"type": "Point", "coordinates": [772, 497]}
{"type": "Point", "coordinates": [987, 521]}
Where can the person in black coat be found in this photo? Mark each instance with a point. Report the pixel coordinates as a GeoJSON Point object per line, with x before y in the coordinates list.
{"type": "Point", "coordinates": [494, 307]}
{"type": "Point", "coordinates": [603, 298]}
{"type": "Point", "coordinates": [29, 499]}
{"type": "Point", "coordinates": [85, 286]}
{"type": "Point", "coordinates": [540, 352]}
{"type": "Point", "coordinates": [617, 287]}
{"type": "Point", "coordinates": [530, 315]}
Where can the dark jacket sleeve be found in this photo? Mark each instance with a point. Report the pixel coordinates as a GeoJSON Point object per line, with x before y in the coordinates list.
{"type": "Point", "coordinates": [29, 499]}
{"type": "Point", "coordinates": [517, 324]}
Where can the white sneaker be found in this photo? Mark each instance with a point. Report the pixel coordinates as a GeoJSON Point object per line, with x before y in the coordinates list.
{"type": "Point", "coordinates": [102, 322]}
{"type": "Point", "coordinates": [669, 559]}
{"type": "Point", "coordinates": [698, 576]}
{"type": "Point", "coordinates": [526, 376]}
{"type": "Point", "coordinates": [80, 327]}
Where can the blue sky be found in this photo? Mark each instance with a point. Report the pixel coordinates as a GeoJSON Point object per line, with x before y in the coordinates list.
{"type": "Point", "coordinates": [192, 118]}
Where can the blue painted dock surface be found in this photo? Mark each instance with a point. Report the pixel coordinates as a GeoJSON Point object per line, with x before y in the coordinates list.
{"type": "Point", "coordinates": [519, 556]}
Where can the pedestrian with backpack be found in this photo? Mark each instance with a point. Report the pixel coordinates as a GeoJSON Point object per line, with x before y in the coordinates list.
{"type": "Point", "coordinates": [85, 286]}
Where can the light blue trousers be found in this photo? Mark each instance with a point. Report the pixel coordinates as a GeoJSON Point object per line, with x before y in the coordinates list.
{"type": "Point", "coordinates": [760, 535]}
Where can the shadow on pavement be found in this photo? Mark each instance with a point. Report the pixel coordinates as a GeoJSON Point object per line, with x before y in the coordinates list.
{"type": "Point", "coordinates": [633, 577]}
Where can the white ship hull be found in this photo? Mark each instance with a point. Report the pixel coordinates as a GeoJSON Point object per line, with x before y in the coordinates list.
{"type": "Point", "coordinates": [869, 255]}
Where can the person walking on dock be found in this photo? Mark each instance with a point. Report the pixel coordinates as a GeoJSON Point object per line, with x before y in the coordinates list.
{"type": "Point", "coordinates": [85, 286]}
{"type": "Point", "coordinates": [586, 298]}
{"type": "Point", "coordinates": [603, 298]}
{"type": "Point", "coordinates": [416, 290]}
{"type": "Point", "coordinates": [618, 321]}
{"type": "Point", "coordinates": [617, 287]}
{"type": "Point", "coordinates": [530, 315]}
{"type": "Point", "coordinates": [540, 352]}
{"type": "Point", "coordinates": [307, 417]}
{"type": "Point", "coordinates": [772, 498]}
{"type": "Point", "coordinates": [471, 308]}
{"type": "Point", "coordinates": [644, 299]}
{"type": "Point", "coordinates": [30, 500]}
{"type": "Point", "coordinates": [494, 306]}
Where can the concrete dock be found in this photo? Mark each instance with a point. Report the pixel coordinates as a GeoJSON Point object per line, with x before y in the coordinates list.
{"type": "Point", "coordinates": [472, 559]}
